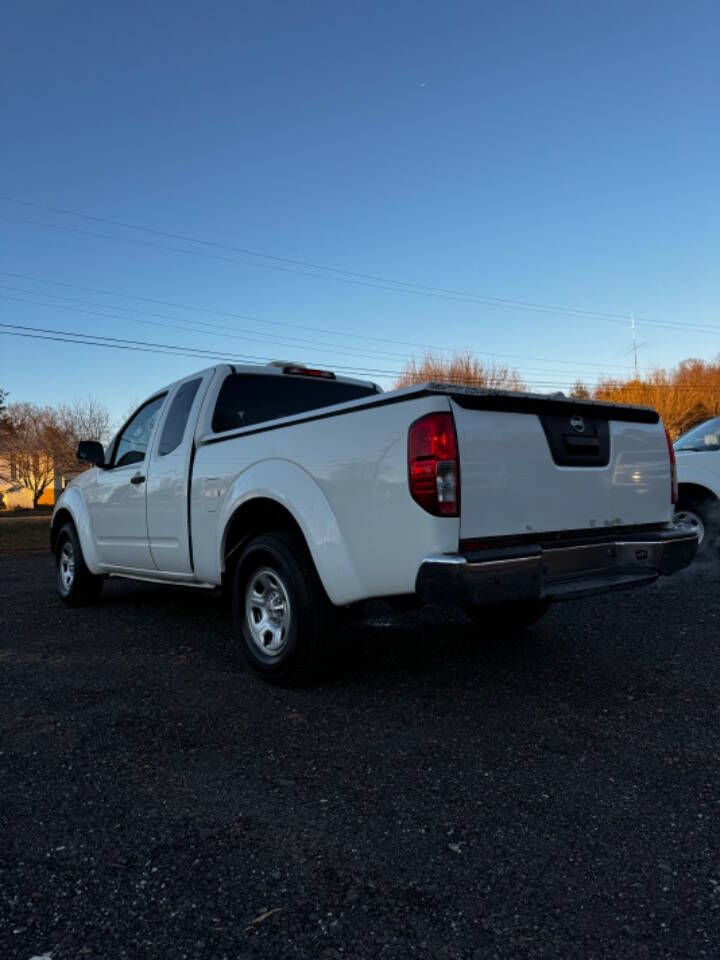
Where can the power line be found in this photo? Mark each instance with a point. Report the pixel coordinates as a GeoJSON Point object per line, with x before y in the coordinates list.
{"type": "Point", "coordinates": [190, 351]}
{"type": "Point", "coordinates": [200, 351]}
{"type": "Point", "coordinates": [195, 352]}
{"type": "Point", "coordinates": [169, 350]}
{"type": "Point", "coordinates": [243, 316]}
{"type": "Point", "coordinates": [99, 340]}
{"type": "Point", "coordinates": [251, 334]}
{"type": "Point", "coordinates": [323, 348]}
{"type": "Point", "coordinates": [411, 286]}
{"type": "Point", "coordinates": [545, 309]}
{"type": "Point", "coordinates": [89, 343]}
{"type": "Point", "coordinates": [92, 340]}
{"type": "Point", "coordinates": [246, 263]}
{"type": "Point", "coordinates": [221, 313]}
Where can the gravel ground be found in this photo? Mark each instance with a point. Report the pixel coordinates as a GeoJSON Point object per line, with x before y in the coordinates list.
{"type": "Point", "coordinates": [554, 795]}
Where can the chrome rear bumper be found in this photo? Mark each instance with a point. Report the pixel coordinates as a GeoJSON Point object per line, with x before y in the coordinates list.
{"type": "Point", "coordinates": [556, 572]}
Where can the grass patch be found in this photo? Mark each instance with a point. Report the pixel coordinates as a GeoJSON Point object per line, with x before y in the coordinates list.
{"type": "Point", "coordinates": [31, 534]}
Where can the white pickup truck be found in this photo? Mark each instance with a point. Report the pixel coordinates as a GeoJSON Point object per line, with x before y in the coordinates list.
{"type": "Point", "coordinates": [698, 464]}
{"type": "Point", "coordinates": [304, 493]}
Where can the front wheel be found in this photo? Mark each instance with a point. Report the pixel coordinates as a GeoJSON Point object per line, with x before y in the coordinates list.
{"type": "Point", "coordinates": [499, 617]}
{"type": "Point", "coordinates": [76, 584]}
{"type": "Point", "coordinates": [281, 613]}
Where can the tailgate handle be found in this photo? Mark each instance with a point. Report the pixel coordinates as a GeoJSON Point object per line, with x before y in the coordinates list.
{"type": "Point", "coordinates": [582, 446]}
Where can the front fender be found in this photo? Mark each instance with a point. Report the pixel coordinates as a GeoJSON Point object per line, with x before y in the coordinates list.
{"type": "Point", "coordinates": [696, 473]}
{"type": "Point", "coordinates": [295, 490]}
{"type": "Point", "coordinates": [74, 503]}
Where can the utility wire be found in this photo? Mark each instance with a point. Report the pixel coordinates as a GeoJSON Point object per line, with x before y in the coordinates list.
{"type": "Point", "coordinates": [322, 348]}
{"type": "Point", "coordinates": [78, 340]}
{"type": "Point", "coordinates": [189, 350]}
{"type": "Point", "coordinates": [243, 316]}
{"type": "Point", "coordinates": [415, 287]}
{"type": "Point", "coordinates": [89, 343]}
{"type": "Point", "coordinates": [225, 313]}
{"type": "Point", "coordinates": [99, 340]}
{"type": "Point", "coordinates": [197, 326]}
{"type": "Point", "coordinates": [248, 263]}
{"type": "Point", "coordinates": [546, 309]}
{"type": "Point", "coordinates": [92, 340]}
{"type": "Point", "coordinates": [202, 351]}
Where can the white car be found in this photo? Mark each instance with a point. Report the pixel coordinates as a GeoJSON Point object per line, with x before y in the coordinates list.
{"type": "Point", "coordinates": [698, 465]}
{"type": "Point", "coordinates": [304, 493]}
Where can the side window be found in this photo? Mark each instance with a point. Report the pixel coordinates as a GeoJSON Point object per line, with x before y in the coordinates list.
{"type": "Point", "coordinates": [177, 418]}
{"type": "Point", "coordinates": [245, 399]}
{"type": "Point", "coordinates": [230, 407]}
{"type": "Point", "coordinates": [132, 443]}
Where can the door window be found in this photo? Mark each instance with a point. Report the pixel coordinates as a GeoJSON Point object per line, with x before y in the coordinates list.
{"type": "Point", "coordinates": [132, 443]}
{"type": "Point", "coordinates": [177, 418]}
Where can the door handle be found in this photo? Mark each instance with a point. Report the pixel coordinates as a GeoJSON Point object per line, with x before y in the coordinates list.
{"type": "Point", "coordinates": [138, 478]}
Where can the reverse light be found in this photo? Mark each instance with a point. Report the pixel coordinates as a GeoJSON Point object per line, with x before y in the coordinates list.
{"type": "Point", "coordinates": [433, 466]}
{"type": "Point", "coordinates": [673, 469]}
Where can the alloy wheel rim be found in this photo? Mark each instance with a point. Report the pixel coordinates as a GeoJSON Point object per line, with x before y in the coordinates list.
{"type": "Point", "coordinates": [689, 520]}
{"type": "Point", "coordinates": [267, 611]}
{"type": "Point", "coordinates": [66, 567]}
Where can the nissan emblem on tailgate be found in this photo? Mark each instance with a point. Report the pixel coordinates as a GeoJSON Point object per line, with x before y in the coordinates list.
{"type": "Point", "coordinates": [578, 424]}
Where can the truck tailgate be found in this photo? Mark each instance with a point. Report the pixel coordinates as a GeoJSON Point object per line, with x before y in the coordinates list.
{"type": "Point", "coordinates": [542, 465]}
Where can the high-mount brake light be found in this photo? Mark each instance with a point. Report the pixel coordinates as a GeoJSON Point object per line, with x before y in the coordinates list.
{"type": "Point", "coordinates": [433, 465]}
{"type": "Point", "coordinates": [309, 372]}
{"type": "Point", "coordinates": [673, 469]}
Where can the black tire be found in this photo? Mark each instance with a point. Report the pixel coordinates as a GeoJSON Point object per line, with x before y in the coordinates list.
{"type": "Point", "coordinates": [281, 613]}
{"type": "Point", "coordinates": [507, 617]}
{"type": "Point", "coordinates": [76, 585]}
{"type": "Point", "coordinates": [702, 515]}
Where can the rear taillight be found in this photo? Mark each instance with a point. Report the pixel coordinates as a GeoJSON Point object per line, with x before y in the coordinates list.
{"type": "Point", "coordinates": [673, 469]}
{"type": "Point", "coordinates": [433, 467]}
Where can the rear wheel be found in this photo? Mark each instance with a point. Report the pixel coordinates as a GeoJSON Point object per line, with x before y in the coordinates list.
{"type": "Point", "coordinates": [501, 617]}
{"type": "Point", "coordinates": [76, 584]}
{"type": "Point", "coordinates": [281, 613]}
{"type": "Point", "coordinates": [701, 516]}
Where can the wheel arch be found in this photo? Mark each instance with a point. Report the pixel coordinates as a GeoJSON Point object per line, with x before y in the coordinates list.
{"type": "Point", "coordinates": [695, 491]}
{"type": "Point", "coordinates": [250, 519]}
{"type": "Point", "coordinates": [278, 492]}
{"type": "Point", "coordinates": [72, 508]}
{"type": "Point", "coordinates": [60, 518]}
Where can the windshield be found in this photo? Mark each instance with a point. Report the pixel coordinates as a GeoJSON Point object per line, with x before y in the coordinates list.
{"type": "Point", "coordinates": [704, 437]}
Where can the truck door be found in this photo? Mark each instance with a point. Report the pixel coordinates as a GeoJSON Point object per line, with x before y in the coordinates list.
{"type": "Point", "coordinates": [168, 478]}
{"type": "Point", "coordinates": [116, 500]}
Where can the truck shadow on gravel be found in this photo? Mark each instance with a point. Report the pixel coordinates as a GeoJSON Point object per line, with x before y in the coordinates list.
{"type": "Point", "coordinates": [611, 646]}
{"type": "Point", "coordinates": [385, 646]}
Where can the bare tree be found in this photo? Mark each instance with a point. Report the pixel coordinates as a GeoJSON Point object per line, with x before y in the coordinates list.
{"type": "Point", "coordinates": [463, 368]}
{"type": "Point", "coordinates": [38, 443]}
{"type": "Point", "coordinates": [80, 420]}
{"type": "Point", "coordinates": [579, 391]}
{"type": "Point", "coordinates": [30, 440]}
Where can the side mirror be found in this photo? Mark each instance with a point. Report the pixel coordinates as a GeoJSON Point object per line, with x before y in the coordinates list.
{"type": "Point", "coordinates": [90, 451]}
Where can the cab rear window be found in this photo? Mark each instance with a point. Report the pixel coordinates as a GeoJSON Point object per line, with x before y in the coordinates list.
{"type": "Point", "coordinates": [245, 399]}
